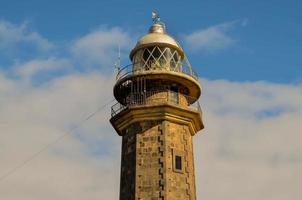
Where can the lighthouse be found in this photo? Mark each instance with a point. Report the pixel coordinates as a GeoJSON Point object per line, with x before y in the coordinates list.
{"type": "Point", "coordinates": [157, 114]}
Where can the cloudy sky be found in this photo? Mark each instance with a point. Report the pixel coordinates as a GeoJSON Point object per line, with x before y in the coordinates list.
{"type": "Point", "coordinates": [56, 68]}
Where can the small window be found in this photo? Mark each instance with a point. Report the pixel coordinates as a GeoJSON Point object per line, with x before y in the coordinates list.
{"type": "Point", "coordinates": [146, 54]}
{"type": "Point", "coordinates": [178, 163]}
{"type": "Point", "coordinates": [156, 53]}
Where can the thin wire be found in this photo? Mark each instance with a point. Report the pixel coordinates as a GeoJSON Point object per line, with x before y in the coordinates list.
{"type": "Point", "coordinates": [29, 159]}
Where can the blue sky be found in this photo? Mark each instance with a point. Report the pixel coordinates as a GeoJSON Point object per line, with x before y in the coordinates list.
{"type": "Point", "coordinates": [267, 48]}
{"type": "Point", "coordinates": [56, 68]}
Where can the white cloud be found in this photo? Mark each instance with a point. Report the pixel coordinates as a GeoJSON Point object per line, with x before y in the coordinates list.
{"type": "Point", "coordinates": [100, 47]}
{"type": "Point", "coordinates": [242, 154]}
{"type": "Point", "coordinates": [250, 148]}
{"type": "Point", "coordinates": [6, 85]}
{"type": "Point", "coordinates": [30, 68]}
{"type": "Point", "coordinates": [212, 38]}
{"type": "Point", "coordinates": [31, 117]}
{"type": "Point", "coordinates": [238, 155]}
{"type": "Point", "coordinates": [12, 35]}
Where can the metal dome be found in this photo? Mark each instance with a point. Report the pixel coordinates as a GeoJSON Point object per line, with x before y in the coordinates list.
{"type": "Point", "coordinates": [157, 36]}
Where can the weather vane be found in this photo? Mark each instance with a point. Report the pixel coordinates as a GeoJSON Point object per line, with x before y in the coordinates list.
{"type": "Point", "coordinates": [155, 17]}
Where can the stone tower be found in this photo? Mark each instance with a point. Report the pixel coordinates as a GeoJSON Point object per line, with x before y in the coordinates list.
{"type": "Point", "coordinates": [157, 114]}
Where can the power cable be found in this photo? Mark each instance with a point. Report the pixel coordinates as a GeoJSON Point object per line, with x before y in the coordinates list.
{"type": "Point", "coordinates": [33, 156]}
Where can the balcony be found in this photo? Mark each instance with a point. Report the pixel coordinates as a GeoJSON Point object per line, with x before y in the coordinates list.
{"type": "Point", "coordinates": [154, 98]}
{"type": "Point", "coordinates": [134, 69]}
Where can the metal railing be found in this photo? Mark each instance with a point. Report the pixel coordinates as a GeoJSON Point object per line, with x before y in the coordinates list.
{"type": "Point", "coordinates": [180, 67]}
{"type": "Point", "coordinates": [156, 98]}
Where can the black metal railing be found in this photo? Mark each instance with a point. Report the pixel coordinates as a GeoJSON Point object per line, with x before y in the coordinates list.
{"type": "Point", "coordinates": [156, 98]}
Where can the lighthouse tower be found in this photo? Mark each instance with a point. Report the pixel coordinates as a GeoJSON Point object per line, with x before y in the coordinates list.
{"type": "Point", "coordinates": [157, 114]}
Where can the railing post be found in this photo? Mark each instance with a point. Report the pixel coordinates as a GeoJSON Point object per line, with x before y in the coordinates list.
{"type": "Point", "coordinates": [164, 96]}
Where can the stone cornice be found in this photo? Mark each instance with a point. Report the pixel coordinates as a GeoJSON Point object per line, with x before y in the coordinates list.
{"type": "Point", "coordinates": [173, 113]}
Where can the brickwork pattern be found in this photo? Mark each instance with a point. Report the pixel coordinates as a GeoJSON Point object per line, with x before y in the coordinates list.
{"type": "Point", "coordinates": [180, 183]}
{"type": "Point", "coordinates": [149, 179]}
{"type": "Point", "coordinates": [148, 162]}
{"type": "Point", "coordinates": [128, 162]}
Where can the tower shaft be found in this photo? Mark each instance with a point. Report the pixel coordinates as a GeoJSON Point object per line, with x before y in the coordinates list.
{"type": "Point", "coordinates": [157, 162]}
{"type": "Point", "coordinates": [157, 115]}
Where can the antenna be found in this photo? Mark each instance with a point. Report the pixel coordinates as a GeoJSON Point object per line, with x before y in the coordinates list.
{"type": "Point", "coordinates": [117, 64]}
{"type": "Point", "coordinates": [119, 55]}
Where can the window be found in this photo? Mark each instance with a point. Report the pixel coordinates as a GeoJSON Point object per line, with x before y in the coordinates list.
{"type": "Point", "coordinates": [163, 57]}
{"type": "Point", "coordinates": [146, 54]}
{"type": "Point", "coordinates": [178, 163]}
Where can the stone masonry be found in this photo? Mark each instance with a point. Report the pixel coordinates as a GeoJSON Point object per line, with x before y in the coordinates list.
{"type": "Point", "coordinates": [157, 114]}
{"type": "Point", "coordinates": [148, 168]}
